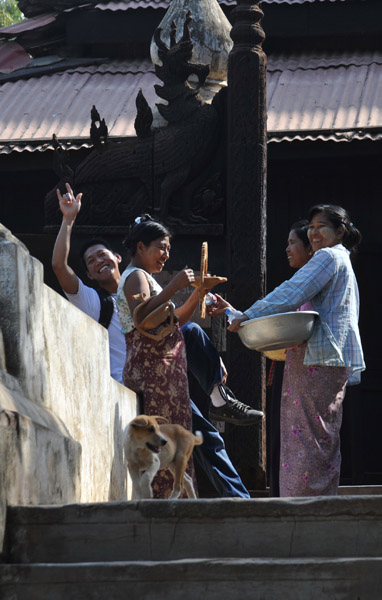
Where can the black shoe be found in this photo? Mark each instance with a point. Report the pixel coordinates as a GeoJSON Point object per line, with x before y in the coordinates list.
{"type": "Point", "coordinates": [234, 411]}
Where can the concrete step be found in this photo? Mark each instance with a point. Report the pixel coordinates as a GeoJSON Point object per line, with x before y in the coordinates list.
{"type": "Point", "coordinates": [152, 530]}
{"type": "Point", "coordinates": [360, 490]}
{"type": "Point", "coordinates": [233, 579]}
{"type": "Point", "coordinates": [343, 490]}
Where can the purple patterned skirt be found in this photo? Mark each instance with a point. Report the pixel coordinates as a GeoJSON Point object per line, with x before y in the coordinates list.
{"type": "Point", "coordinates": [158, 370]}
{"type": "Point", "coordinates": [310, 421]}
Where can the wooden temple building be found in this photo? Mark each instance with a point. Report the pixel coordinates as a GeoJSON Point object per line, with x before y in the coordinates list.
{"type": "Point", "coordinates": [202, 156]}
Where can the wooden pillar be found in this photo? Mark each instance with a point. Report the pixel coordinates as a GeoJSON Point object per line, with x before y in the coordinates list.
{"type": "Point", "coordinates": [246, 223]}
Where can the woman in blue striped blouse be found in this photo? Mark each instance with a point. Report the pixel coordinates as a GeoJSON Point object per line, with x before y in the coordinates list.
{"type": "Point", "coordinates": [317, 372]}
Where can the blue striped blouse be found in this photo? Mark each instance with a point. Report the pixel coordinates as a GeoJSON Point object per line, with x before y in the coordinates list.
{"type": "Point", "coordinates": [328, 281]}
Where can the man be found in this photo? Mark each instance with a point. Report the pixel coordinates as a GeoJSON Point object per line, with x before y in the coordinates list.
{"type": "Point", "coordinates": [102, 266]}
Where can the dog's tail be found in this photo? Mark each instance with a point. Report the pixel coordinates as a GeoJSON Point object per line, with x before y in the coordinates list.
{"type": "Point", "coordinates": [198, 437]}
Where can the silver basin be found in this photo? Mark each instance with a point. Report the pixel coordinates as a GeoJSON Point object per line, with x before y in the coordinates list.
{"type": "Point", "coordinates": [282, 330]}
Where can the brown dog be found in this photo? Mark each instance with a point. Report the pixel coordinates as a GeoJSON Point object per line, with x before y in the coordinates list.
{"type": "Point", "coordinates": [151, 446]}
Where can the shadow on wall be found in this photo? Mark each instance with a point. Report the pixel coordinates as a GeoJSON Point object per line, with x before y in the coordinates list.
{"type": "Point", "coordinates": [120, 483]}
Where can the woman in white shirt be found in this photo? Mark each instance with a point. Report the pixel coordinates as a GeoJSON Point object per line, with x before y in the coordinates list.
{"type": "Point", "coordinates": [155, 368]}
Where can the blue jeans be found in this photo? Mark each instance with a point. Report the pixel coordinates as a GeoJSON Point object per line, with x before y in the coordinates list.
{"type": "Point", "coordinates": [203, 362]}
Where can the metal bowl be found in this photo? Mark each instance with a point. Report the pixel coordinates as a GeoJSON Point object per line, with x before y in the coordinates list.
{"type": "Point", "coordinates": [282, 330]}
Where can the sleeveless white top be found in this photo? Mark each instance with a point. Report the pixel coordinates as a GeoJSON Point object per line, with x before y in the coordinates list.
{"type": "Point", "coordinates": [125, 316]}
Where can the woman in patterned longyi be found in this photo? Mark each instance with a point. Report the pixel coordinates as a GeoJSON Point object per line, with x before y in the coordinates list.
{"type": "Point", "coordinates": [299, 252]}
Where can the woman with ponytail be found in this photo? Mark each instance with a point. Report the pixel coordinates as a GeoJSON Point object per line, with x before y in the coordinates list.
{"type": "Point", "coordinates": [317, 371]}
{"type": "Point", "coordinates": [155, 368]}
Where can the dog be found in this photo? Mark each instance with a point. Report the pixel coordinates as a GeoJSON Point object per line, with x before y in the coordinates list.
{"type": "Point", "coordinates": [152, 443]}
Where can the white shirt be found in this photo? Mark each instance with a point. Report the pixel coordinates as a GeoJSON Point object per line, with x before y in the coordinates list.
{"type": "Point", "coordinates": [88, 301]}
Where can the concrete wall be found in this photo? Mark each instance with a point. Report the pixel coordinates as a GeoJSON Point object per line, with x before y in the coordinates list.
{"type": "Point", "coordinates": [62, 416]}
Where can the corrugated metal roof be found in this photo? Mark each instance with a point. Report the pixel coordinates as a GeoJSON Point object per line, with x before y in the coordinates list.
{"type": "Point", "coordinates": [28, 24]}
{"type": "Point", "coordinates": [334, 97]}
{"type": "Point", "coordinates": [126, 4]}
{"type": "Point", "coordinates": [61, 103]}
{"type": "Point", "coordinates": [296, 1]}
{"type": "Point", "coordinates": [12, 56]}
{"type": "Point", "coordinates": [309, 97]}
{"type": "Point", "coordinates": [46, 19]}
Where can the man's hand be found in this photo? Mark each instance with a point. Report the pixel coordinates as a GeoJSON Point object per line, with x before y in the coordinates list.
{"type": "Point", "coordinates": [218, 309]}
{"type": "Point", "coordinates": [70, 205]}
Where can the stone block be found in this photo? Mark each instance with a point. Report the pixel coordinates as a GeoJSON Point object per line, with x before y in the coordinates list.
{"type": "Point", "coordinates": [233, 579]}
{"type": "Point", "coordinates": [154, 530]}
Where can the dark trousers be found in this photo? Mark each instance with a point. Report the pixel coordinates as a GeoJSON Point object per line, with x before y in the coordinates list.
{"type": "Point", "coordinates": [203, 362]}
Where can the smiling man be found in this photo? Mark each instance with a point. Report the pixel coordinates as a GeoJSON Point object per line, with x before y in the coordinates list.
{"type": "Point", "coordinates": [102, 266]}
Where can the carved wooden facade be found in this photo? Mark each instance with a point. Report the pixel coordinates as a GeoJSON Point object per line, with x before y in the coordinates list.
{"type": "Point", "coordinates": [173, 172]}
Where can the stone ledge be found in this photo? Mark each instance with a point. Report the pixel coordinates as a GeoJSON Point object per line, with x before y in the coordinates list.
{"type": "Point", "coordinates": [55, 384]}
{"type": "Point", "coordinates": [213, 509]}
{"type": "Point", "coordinates": [293, 579]}
{"type": "Point", "coordinates": [360, 490]}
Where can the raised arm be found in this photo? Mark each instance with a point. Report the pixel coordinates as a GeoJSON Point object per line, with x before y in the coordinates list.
{"type": "Point", "coordinates": [70, 206]}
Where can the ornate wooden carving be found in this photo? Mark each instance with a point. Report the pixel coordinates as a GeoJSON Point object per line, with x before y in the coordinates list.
{"type": "Point", "coordinates": [61, 162]}
{"type": "Point", "coordinates": [246, 216]}
{"type": "Point", "coordinates": [166, 171]}
{"type": "Point", "coordinates": [98, 131]}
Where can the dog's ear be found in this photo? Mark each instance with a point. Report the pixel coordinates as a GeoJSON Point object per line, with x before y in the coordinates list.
{"type": "Point", "coordinates": [160, 419]}
{"type": "Point", "coordinates": [141, 421]}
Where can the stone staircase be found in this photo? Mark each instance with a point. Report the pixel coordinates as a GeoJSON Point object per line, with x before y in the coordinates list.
{"type": "Point", "coordinates": [302, 548]}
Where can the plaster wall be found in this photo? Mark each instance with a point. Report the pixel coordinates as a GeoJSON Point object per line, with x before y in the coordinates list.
{"type": "Point", "coordinates": [62, 417]}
